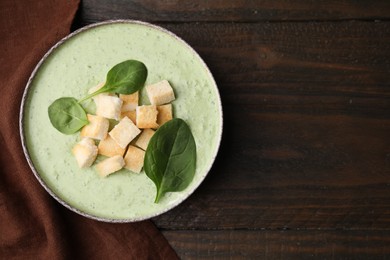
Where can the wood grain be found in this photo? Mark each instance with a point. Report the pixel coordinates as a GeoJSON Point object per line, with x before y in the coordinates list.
{"type": "Point", "coordinates": [280, 244]}
{"type": "Point", "coordinates": [306, 127]}
{"type": "Point", "coordinates": [232, 10]}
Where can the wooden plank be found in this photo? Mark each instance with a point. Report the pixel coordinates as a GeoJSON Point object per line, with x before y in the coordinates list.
{"type": "Point", "coordinates": [331, 62]}
{"type": "Point", "coordinates": [231, 10]}
{"type": "Point", "coordinates": [306, 127]}
{"type": "Point", "coordinates": [280, 244]}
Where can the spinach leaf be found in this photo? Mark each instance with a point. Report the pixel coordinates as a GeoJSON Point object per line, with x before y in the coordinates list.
{"type": "Point", "coordinates": [67, 115]}
{"type": "Point", "coordinates": [170, 158]}
{"type": "Point", "coordinates": [126, 77]}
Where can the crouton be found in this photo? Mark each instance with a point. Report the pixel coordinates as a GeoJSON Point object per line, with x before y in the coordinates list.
{"type": "Point", "coordinates": [110, 165]}
{"type": "Point", "coordinates": [132, 115]}
{"type": "Point", "coordinates": [144, 138]}
{"type": "Point", "coordinates": [147, 116]}
{"type": "Point", "coordinates": [164, 114]}
{"type": "Point", "coordinates": [124, 132]}
{"type": "Point", "coordinates": [130, 102]}
{"type": "Point", "coordinates": [85, 152]}
{"type": "Point", "coordinates": [108, 107]}
{"type": "Point", "coordinates": [96, 129]}
{"type": "Point", "coordinates": [160, 93]}
{"type": "Point", "coordinates": [134, 159]}
{"type": "Point", "coordinates": [108, 147]}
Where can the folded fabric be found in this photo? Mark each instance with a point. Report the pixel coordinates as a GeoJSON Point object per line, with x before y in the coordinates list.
{"type": "Point", "coordinates": [32, 224]}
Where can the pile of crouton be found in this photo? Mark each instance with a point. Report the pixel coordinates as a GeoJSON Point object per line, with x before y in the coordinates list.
{"type": "Point", "coordinates": [121, 145]}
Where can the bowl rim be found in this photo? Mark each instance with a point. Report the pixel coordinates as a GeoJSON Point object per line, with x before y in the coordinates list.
{"type": "Point", "coordinates": [26, 93]}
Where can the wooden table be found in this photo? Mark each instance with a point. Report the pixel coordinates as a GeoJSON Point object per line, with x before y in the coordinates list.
{"type": "Point", "coordinates": [304, 167]}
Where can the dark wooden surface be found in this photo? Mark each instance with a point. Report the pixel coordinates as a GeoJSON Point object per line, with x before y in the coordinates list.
{"type": "Point", "coordinates": [304, 166]}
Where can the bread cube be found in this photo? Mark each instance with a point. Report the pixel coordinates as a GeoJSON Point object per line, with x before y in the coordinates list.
{"type": "Point", "coordinates": [134, 159]}
{"type": "Point", "coordinates": [164, 114]}
{"type": "Point", "coordinates": [108, 147]}
{"type": "Point", "coordinates": [85, 152]}
{"type": "Point", "coordinates": [130, 102]}
{"type": "Point", "coordinates": [132, 115]}
{"type": "Point", "coordinates": [144, 138]}
{"type": "Point", "coordinates": [108, 107]}
{"type": "Point", "coordinates": [96, 129]}
{"type": "Point", "coordinates": [147, 116]}
{"type": "Point", "coordinates": [124, 132]}
{"type": "Point", "coordinates": [160, 93]}
{"type": "Point", "coordinates": [110, 165]}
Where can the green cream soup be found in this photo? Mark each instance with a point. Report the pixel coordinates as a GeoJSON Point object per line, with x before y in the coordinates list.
{"type": "Point", "coordinates": [80, 63]}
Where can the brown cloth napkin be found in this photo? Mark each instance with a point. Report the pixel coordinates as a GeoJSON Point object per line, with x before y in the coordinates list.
{"type": "Point", "coordinates": [32, 224]}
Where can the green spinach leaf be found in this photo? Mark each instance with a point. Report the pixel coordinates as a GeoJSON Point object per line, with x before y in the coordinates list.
{"type": "Point", "coordinates": [126, 77]}
{"type": "Point", "coordinates": [67, 115]}
{"type": "Point", "coordinates": [170, 158]}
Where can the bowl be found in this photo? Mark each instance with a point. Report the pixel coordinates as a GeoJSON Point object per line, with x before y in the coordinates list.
{"type": "Point", "coordinates": [80, 61]}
